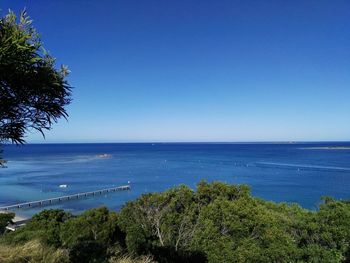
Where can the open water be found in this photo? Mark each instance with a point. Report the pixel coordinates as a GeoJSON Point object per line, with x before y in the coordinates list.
{"type": "Point", "coordinates": [289, 172]}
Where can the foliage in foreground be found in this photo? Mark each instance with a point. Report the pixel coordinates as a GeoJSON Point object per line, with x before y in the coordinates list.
{"type": "Point", "coordinates": [5, 219]}
{"type": "Point", "coordinates": [215, 223]}
{"type": "Point", "coordinates": [32, 251]}
{"type": "Point", "coordinates": [33, 93]}
{"type": "Point", "coordinates": [35, 251]}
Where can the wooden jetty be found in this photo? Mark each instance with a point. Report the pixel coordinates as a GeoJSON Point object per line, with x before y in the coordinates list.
{"type": "Point", "coordinates": [50, 201]}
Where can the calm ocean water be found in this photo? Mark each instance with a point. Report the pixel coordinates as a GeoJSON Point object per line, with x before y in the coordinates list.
{"type": "Point", "coordinates": [279, 172]}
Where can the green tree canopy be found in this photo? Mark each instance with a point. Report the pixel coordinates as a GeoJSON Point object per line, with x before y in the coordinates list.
{"type": "Point", "coordinates": [33, 93]}
{"type": "Point", "coordinates": [216, 222]}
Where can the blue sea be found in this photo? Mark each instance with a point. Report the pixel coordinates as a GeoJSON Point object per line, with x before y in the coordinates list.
{"type": "Point", "coordinates": [288, 172]}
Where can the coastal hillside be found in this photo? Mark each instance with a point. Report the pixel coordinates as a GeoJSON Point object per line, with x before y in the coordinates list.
{"type": "Point", "coordinates": [215, 223]}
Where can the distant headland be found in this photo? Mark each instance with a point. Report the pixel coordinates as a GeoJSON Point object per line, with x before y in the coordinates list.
{"type": "Point", "coordinates": [327, 148]}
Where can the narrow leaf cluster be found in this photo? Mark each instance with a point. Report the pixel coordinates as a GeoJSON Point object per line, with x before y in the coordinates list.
{"type": "Point", "coordinates": [33, 93]}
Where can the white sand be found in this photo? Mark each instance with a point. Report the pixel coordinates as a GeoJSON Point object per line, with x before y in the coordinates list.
{"type": "Point", "coordinates": [17, 217]}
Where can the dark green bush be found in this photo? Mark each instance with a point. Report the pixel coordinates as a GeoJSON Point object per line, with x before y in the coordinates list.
{"type": "Point", "coordinates": [215, 223]}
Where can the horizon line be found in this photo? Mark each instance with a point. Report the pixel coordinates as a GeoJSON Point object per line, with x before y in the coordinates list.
{"type": "Point", "coordinates": [189, 142]}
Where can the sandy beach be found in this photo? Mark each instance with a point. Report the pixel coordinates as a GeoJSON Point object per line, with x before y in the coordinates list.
{"type": "Point", "coordinates": [17, 216]}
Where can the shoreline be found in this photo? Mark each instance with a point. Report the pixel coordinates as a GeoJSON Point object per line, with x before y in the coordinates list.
{"type": "Point", "coordinates": [18, 217]}
{"type": "Point", "coordinates": [327, 148]}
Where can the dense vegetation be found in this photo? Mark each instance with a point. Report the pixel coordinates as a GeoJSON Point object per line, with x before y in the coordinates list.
{"type": "Point", "coordinates": [215, 223]}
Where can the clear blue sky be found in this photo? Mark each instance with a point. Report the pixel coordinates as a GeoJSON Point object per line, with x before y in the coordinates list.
{"type": "Point", "coordinates": [199, 70]}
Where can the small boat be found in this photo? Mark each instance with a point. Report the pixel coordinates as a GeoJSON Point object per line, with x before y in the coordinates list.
{"type": "Point", "coordinates": [63, 186]}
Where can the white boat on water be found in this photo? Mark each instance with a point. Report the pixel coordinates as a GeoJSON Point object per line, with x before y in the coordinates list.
{"type": "Point", "coordinates": [63, 186]}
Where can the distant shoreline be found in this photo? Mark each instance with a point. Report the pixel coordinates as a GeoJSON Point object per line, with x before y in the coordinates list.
{"type": "Point", "coordinates": [327, 148]}
{"type": "Point", "coordinates": [178, 142]}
